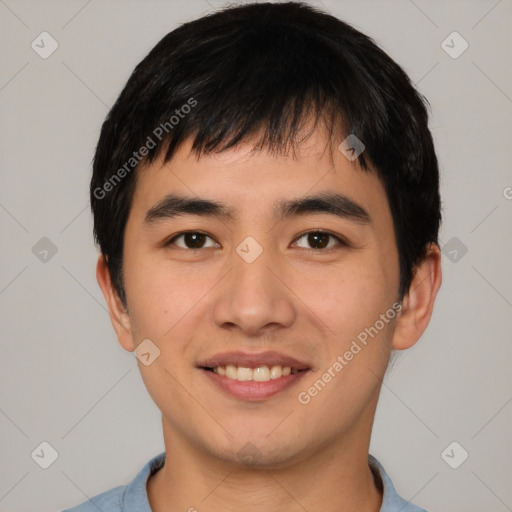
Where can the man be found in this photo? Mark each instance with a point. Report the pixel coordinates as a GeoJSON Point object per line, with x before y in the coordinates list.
{"type": "Point", "coordinates": [266, 200]}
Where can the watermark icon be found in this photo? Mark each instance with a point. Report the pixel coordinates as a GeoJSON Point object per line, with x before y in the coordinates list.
{"type": "Point", "coordinates": [146, 352]}
{"type": "Point", "coordinates": [44, 455]}
{"type": "Point", "coordinates": [454, 455]}
{"type": "Point", "coordinates": [507, 193]}
{"type": "Point", "coordinates": [248, 454]}
{"type": "Point", "coordinates": [249, 250]}
{"type": "Point", "coordinates": [454, 45]}
{"type": "Point", "coordinates": [44, 250]}
{"type": "Point", "coordinates": [304, 397]}
{"type": "Point", "coordinates": [143, 151]}
{"type": "Point", "coordinates": [454, 249]}
{"type": "Point", "coordinates": [351, 147]}
{"type": "Point", "coordinates": [44, 45]}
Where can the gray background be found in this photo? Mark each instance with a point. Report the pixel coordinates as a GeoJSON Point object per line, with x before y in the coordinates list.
{"type": "Point", "coordinates": [64, 378]}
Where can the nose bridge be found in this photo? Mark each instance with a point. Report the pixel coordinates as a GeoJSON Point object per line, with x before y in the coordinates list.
{"type": "Point", "coordinates": [253, 297]}
{"type": "Point", "coordinates": [252, 269]}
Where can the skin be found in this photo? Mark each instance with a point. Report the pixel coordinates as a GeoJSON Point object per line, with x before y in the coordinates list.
{"type": "Point", "coordinates": [310, 304]}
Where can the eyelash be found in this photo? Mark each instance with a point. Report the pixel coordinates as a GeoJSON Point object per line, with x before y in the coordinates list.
{"type": "Point", "coordinates": [341, 241]}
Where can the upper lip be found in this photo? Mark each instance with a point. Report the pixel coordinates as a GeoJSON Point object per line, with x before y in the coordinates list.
{"type": "Point", "coordinates": [253, 360]}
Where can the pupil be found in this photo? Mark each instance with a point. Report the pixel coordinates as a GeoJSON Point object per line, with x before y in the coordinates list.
{"type": "Point", "coordinates": [194, 239]}
{"type": "Point", "coordinates": [318, 239]}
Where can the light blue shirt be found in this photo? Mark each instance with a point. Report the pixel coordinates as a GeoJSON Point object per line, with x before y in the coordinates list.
{"type": "Point", "coordinates": [134, 497]}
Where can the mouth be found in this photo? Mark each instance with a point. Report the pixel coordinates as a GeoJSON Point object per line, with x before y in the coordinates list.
{"type": "Point", "coordinates": [259, 374]}
{"type": "Point", "coordinates": [253, 376]}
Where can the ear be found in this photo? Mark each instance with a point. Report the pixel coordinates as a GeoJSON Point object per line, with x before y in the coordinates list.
{"type": "Point", "coordinates": [418, 304]}
{"type": "Point", "coordinates": [118, 313]}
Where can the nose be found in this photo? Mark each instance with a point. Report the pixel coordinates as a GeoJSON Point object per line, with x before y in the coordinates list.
{"type": "Point", "coordinates": [254, 298]}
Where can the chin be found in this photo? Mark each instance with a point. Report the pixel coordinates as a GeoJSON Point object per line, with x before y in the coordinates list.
{"type": "Point", "coordinates": [257, 451]}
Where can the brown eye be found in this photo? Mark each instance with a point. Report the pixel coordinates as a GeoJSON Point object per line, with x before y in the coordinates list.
{"type": "Point", "coordinates": [191, 240]}
{"type": "Point", "coordinates": [318, 240]}
{"type": "Point", "coordinates": [194, 240]}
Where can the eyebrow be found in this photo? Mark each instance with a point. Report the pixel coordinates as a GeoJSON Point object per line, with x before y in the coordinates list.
{"type": "Point", "coordinates": [340, 205]}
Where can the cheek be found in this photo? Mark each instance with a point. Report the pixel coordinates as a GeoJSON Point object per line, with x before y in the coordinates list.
{"type": "Point", "coordinates": [165, 300]}
{"type": "Point", "coordinates": [154, 299]}
{"type": "Point", "coordinates": [350, 304]}
{"type": "Point", "coordinates": [351, 296]}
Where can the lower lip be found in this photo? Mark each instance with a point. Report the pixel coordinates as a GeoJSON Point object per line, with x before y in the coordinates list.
{"type": "Point", "coordinates": [252, 390]}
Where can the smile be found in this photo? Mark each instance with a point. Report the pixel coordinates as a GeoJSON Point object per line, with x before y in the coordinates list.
{"type": "Point", "coordinates": [253, 376]}
{"type": "Point", "coordinates": [259, 374]}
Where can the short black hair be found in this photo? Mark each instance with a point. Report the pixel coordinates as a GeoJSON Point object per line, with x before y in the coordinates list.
{"type": "Point", "coordinates": [261, 70]}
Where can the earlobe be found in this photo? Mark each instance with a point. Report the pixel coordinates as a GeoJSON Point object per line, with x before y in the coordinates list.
{"type": "Point", "coordinates": [418, 304]}
{"type": "Point", "coordinates": [118, 314]}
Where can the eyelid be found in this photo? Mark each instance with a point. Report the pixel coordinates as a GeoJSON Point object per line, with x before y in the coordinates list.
{"type": "Point", "coordinates": [341, 240]}
{"type": "Point", "coordinates": [171, 240]}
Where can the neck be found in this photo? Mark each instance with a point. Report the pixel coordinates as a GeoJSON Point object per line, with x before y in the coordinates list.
{"type": "Point", "coordinates": [333, 477]}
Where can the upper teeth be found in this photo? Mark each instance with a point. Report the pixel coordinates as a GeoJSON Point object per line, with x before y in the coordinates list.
{"type": "Point", "coordinates": [259, 374]}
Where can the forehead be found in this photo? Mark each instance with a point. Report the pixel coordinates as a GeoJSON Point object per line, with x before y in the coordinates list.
{"type": "Point", "coordinates": [258, 181]}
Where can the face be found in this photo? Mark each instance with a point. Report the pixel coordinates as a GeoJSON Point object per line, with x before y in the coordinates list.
{"type": "Point", "coordinates": [274, 313]}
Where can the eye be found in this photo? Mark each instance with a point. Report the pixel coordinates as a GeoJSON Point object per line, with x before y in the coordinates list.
{"type": "Point", "coordinates": [191, 240]}
{"type": "Point", "coordinates": [320, 240]}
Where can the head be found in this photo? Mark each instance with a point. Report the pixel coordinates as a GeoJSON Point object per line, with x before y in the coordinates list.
{"type": "Point", "coordinates": [252, 108]}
